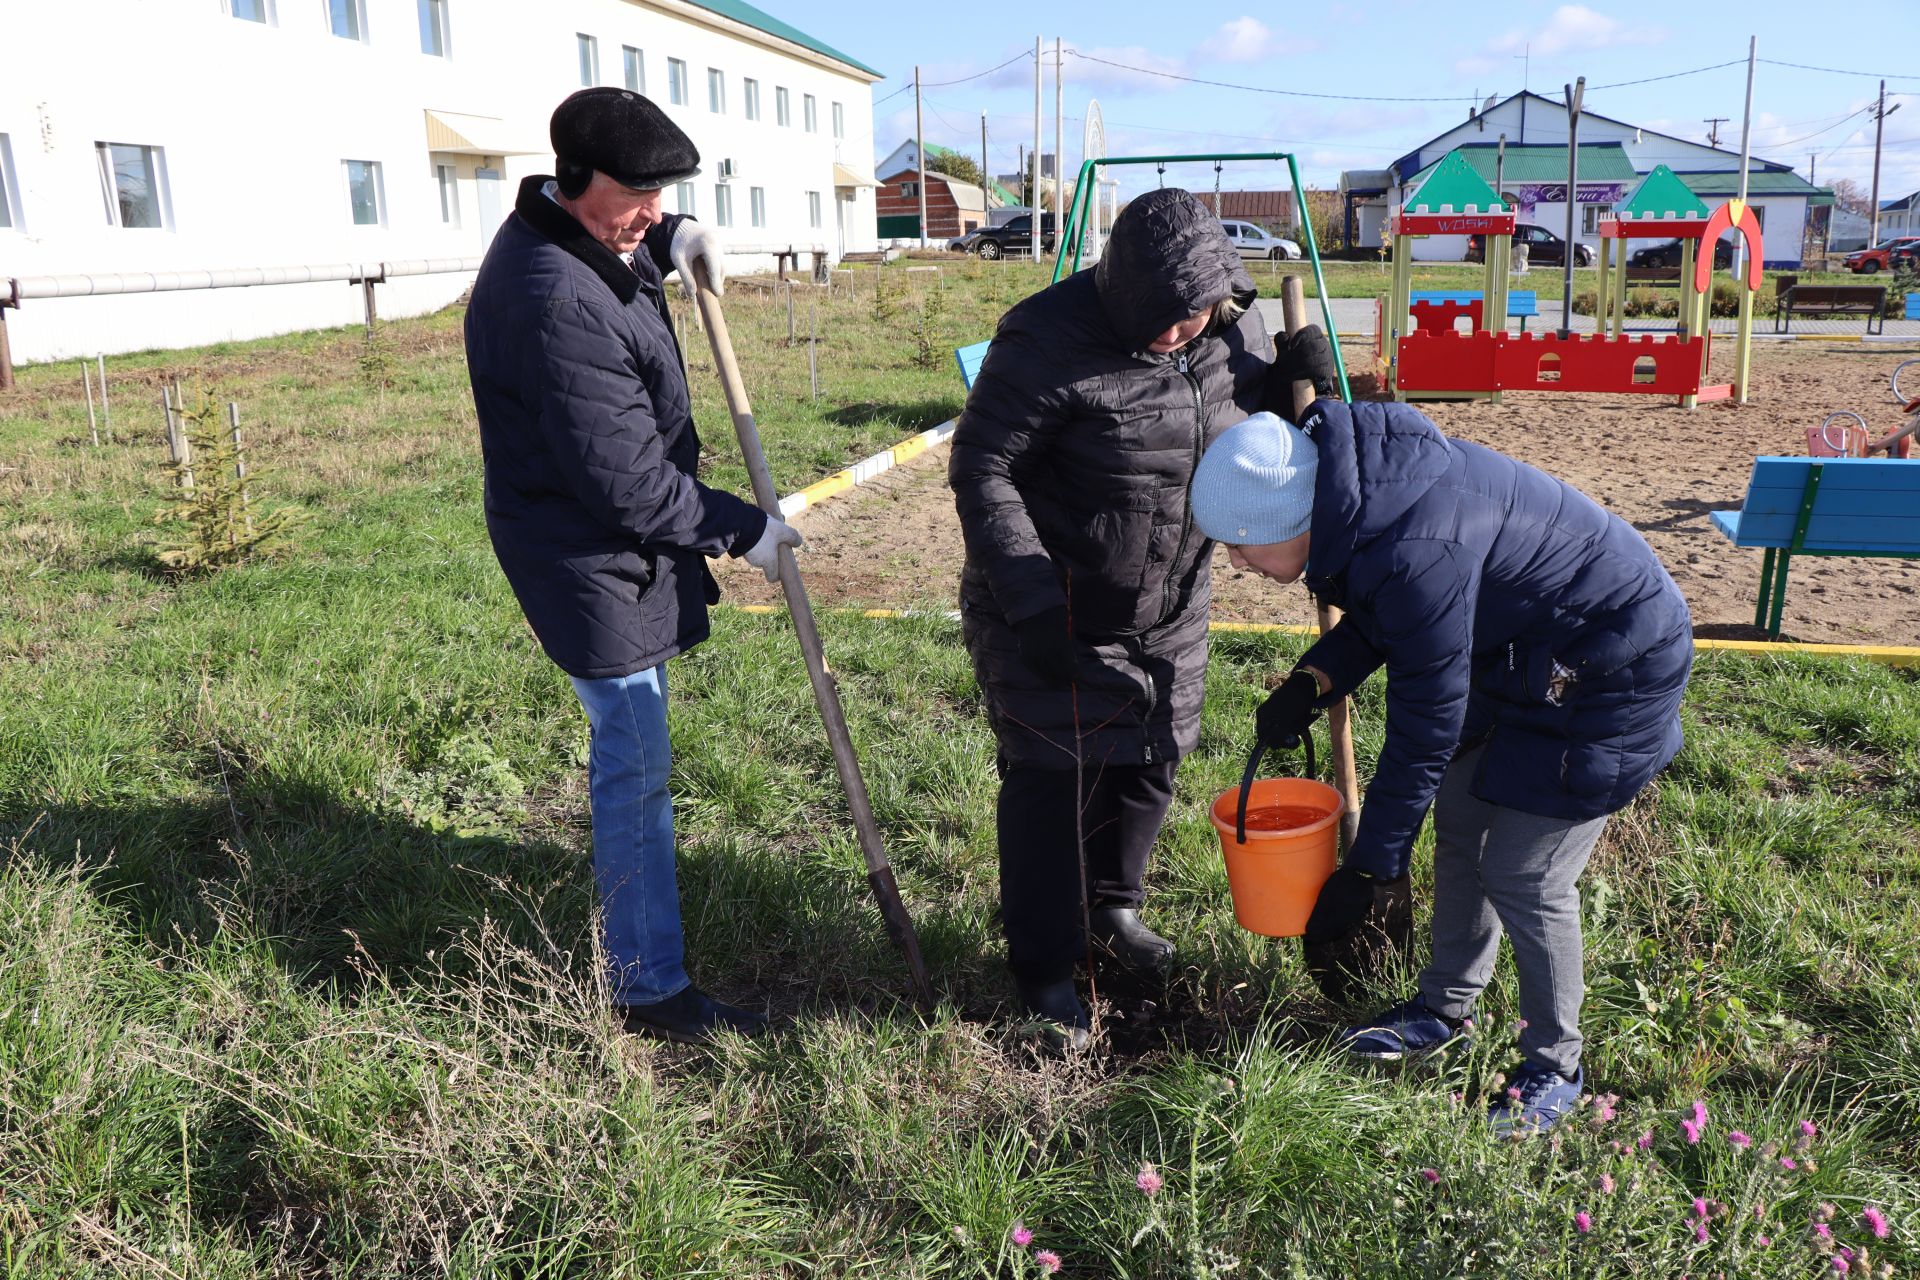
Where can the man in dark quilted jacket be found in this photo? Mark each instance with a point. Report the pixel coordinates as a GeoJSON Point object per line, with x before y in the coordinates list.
{"type": "Point", "coordinates": [593, 503]}
{"type": "Point", "coordinates": [1536, 651]}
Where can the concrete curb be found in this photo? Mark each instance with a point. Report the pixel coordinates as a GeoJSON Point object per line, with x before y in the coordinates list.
{"type": "Point", "coordinates": [866, 469]}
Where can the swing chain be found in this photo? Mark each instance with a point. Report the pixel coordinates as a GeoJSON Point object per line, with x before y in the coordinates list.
{"type": "Point", "coordinates": [1163, 175]}
{"type": "Point", "coordinates": [1216, 189]}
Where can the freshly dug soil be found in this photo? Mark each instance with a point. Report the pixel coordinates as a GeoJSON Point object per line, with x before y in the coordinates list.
{"type": "Point", "coordinates": [894, 542]}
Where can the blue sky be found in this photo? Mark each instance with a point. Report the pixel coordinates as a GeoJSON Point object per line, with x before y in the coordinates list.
{"type": "Point", "coordinates": [1388, 56]}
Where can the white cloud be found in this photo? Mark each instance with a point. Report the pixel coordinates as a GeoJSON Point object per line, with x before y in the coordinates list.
{"type": "Point", "coordinates": [1247, 39]}
{"type": "Point", "coordinates": [1574, 28]}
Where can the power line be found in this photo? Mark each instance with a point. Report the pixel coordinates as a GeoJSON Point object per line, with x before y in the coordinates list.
{"type": "Point", "coordinates": [1838, 71]}
{"type": "Point", "coordinates": [937, 84]}
{"type": "Point", "coordinates": [1672, 75]}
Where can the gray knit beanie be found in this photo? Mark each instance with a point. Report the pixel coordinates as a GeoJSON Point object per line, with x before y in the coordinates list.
{"type": "Point", "coordinates": [1254, 486]}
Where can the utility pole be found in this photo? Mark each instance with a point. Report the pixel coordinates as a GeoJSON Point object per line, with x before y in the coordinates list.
{"type": "Point", "coordinates": [1059, 152]}
{"type": "Point", "coordinates": [1713, 130]}
{"type": "Point", "coordinates": [1026, 196]}
{"type": "Point", "coordinates": [1880, 114]}
{"type": "Point", "coordinates": [920, 156]}
{"type": "Point", "coordinates": [1033, 206]}
{"type": "Point", "coordinates": [1742, 364]}
{"type": "Point", "coordinates": [986, 178]}
{"type": "Point", "coordinates": [1575, 92]}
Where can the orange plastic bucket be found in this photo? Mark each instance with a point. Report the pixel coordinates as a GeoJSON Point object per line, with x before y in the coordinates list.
{"type": "Point", "coordinates": [1277, 874]}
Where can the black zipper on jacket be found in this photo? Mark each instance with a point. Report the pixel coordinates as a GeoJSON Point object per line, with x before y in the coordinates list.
{"type": "Point", "coordinates": [1186, 516]}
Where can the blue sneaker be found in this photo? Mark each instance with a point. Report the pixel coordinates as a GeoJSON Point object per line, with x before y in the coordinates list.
{"type": "Point", "coordinates": [1406, 1030]}
{"type": "Point", "coordinates": [1537, 1098]}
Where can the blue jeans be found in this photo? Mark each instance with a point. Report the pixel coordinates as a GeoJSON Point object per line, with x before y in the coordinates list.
{"type": "Point", "coordinates": [633, 834]}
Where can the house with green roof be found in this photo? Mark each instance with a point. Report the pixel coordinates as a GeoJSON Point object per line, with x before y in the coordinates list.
{"type": "Point", "coordinates": [1530, 172]}
{"type": "Point", "coordinates": [904, 158]}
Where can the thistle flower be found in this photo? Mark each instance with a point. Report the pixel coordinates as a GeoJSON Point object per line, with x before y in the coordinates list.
{"type": "Point", "coordinates": [1049, 1261]}
{"type": "Point", "coordinates": [1875, 1221]}
{"type": "Point", "coordinates": [1808, 1129]}
{"type": "Point", "coordinates": [1583, 1222]}
{"type": "Point", "coordinates": [1149, 1181]}
{"type": "Point", "coordinates": [1739, 1140]}
{"type": "Point", "coordinates": [1692, 1129]}
{"type": "Point", "coordinates": [1765, 1242]}
{"type": "Point", "coordinates": [1606, 1184]}
{"type": "Point", "coordinates": [1699, 1208]}
{"type": "Point", "coordinates": [1700, 1232]}
{"type": "Point", "coordinates": [1789, 1163]}
{"type": "Point", "coordinates": [1020, 1235]}
{"type": "Point", "coordinates": [1839, 1263]}
{"type": "Point", "coordinates": [1822, 1231]}
{"type": "Point", "coordinates": [1646, 1140]}
{"type": "Point", "coordinates": [1431, 1175]}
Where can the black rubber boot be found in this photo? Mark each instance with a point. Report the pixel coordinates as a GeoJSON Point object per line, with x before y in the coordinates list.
{"type": "Point", "coordinates": [1119, 936]}
{"type": "Point", "coordinates": [1056, 1005]}
{"type": "Point", "coordinates": [689, 1017]}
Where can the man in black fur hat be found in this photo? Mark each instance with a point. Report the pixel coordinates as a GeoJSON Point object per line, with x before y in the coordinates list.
{"type": "Point", "coordinates": [593, 504]}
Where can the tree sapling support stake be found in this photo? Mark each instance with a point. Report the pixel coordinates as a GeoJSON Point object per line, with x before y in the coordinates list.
{"type": "Point", "coordinates": [826, 691]}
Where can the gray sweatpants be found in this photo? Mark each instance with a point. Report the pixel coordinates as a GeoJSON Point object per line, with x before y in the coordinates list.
{"type": "Point", "coordinates": [1493, 869]}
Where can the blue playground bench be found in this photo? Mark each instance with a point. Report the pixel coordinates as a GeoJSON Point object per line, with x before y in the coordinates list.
{"type": "Point", "coordinates": [1913, 307]}
{"type": "Point", "coordinates": [1822, 507]}
{"type": "Point", "coordinates": [1523, 303]}
{"type": "Point", "coordinates": [970, 359]}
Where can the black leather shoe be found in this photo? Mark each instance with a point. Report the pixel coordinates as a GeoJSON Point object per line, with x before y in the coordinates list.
{"type": "Point", "coordinates": [1118, 935]}
{"type": "Point", "coordinates": [688, 1018]}
{"type": "Point", "coordinates": [1056, 1006]}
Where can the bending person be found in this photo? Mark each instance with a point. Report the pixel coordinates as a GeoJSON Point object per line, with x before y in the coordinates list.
{"type": "Point", "coordinates": [1084, 596]}
{"type": "Point", "coordinates": [1536, 651]}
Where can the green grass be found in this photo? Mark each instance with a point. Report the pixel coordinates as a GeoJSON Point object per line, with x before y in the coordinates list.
{"type": "Point", "coordinates": [295, 922]}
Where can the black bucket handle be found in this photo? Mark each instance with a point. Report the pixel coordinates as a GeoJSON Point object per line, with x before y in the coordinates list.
{"type": "Point", "coordinates": [1253, 767]}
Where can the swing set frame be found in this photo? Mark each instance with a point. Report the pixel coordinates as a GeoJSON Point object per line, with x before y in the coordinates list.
{"type": "Point", "coordinates": [1086, 183]}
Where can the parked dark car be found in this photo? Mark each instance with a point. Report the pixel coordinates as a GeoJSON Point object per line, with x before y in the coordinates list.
{"type": "Point", "coordinates": [1014, 238]}
{"type": "Point", "coordinates": [1668, 255]}
{"type": "Point", "coordinates": [1544, 249]}
{"type": "Point", "coordinates": [1865, 262]}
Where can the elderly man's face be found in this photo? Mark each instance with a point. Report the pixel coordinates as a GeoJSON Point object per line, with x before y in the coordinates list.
{"type": "Point", "coordinates": [614, 215]}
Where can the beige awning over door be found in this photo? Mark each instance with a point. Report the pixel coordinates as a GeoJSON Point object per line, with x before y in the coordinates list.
{"type": "Point", "coordinates": [453, 133]}
{"type": "Point", "coordinates": [845, 177]}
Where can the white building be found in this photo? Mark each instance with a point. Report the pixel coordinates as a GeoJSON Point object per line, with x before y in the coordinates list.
{"type": "Point", "coordinates": [267, 133]}
{"type": "Point", "coordinates": [1614, 156]}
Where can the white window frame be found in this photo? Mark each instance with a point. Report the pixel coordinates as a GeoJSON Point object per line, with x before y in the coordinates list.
{"type": "Point", "coordinates": [813, 208]}
{"type": "Point", "coordinates": [449, 179]}
{"type": "Point", "coordinates": [750, 97]}
{"type": "Point", "coordinates": [839, 120]}
{"type": "Point", "coordinates": [356, 11]}
{"type": "Point", "coordinates": [588, 50]}
{"type": "Point", "coordinates": [633, 67]}
{"type": "Point", "coordinates": [436, 20]}
{"type": "Point", "coordinates": [722, 205]}
{"type": "Point", "coordinates": [379, 192]}
{"type": "Point", "coordinates": [157, 178]}
{"type": "Point", "coordinates": [10, 217]}
{"type": "Point", "coordinates": [683, 196]}
{"type": "Point", "coordinates": [757, 206]}
{"type": "Point", "coordinates": [677, 82]}
{"type": "Point", "coordinates": [716, 91]}
{"type": "Point", "coordinates": [267, 18]}
{"type": "Point", "coordinates": [810, 112]}
{"type": "Point", "coordinates": [782, 107]}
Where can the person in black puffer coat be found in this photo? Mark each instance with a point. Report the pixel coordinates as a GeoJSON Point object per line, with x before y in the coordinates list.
{"type": "Point", "coordinates": [1536, 651]}
{"type": "Point", "coordinates": [1084, 596]}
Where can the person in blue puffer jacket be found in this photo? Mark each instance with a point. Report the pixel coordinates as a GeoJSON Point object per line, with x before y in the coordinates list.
{"type": "Point", "coordinates": [1536, 651]}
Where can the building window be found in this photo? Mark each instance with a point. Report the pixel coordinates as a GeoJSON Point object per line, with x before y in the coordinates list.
{"type": "Point", "coordinates": [363, 193]}
{"type": "Point", "coordinates": [589, 51]}
{"type": "Point", "coordinates": [347, 19]}
{"type": "Point", "coordinates": [260, 11]}
{"type": "Point", "coordinates": [757, 205]}
{"type": "Point", "coordinates": [910, 190]}
{"type": "Point", "coordinates": [1590, 219]}
{"type": "Point", "coordinates": [683, 195]}
{"type": "Point", "coordinates": [9, 217]}
{"type": "Point", "coordinates": [636, 68]}
{"type": "Point", "coordinates": [449, 194]}
{"type": "Point", "coordinates": [435, 38]}
{"type": "Point", "coordinates": [722, 205]}
{"type": "Point", "coordinates": [750, 90]}
{"type": "Point", "coordinates": [839, 121]}
{"type": "Point", "coordinates": [782, 109]}
{"type": "Point", "coordinates": [677, 82]}
{"type": "Point", "coordinates": [811, 110]}
{"type": "Point", "coordinates": [132, 179]}
{"type": "Point", "coordinates": [813, 208]}
{"type": "Point", "coordinates": [716, 91]}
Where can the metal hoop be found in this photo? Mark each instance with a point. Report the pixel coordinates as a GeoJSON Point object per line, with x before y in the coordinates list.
{"type": "Point", "coordinates": [1900, 398]}
{"type": "Point", "coordinates": [1826, 423]}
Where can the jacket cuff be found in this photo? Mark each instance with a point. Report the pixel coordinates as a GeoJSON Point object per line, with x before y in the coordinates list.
{"type": "Point", "coordinates": [750, 533]}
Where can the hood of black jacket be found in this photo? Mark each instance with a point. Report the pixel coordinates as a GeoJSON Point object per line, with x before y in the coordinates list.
{"type": "Point", "coordinates": [1166, 260]}
{"type": "Point", "coordinates": [1376, 460]}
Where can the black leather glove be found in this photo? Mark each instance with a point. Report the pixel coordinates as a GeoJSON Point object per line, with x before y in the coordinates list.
{"type": "Point", "coordinates": [1359, 927]}
{"type": "Point", "coordinates": [1046, 646]}
{"type": "Point", "coordinates": [1288, 710]}
{"type": "Point", "coordinates": [1307, 356]}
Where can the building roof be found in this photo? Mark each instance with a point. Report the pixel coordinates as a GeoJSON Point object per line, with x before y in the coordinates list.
{"type": "Point", "coordinates": [1662, 195]}
{"type": "Point", "coordinates": [1534, 162]}
{"type": "Point", "coordinates": [761, 20]}
{"type": "Point", "coordinates": [1904, 202]}
{"type": "Point", "coordinates": [1366, 182]}
{"type": "Point", "coordinates": [1725, 183]}
{"type": "Point", "coordinates": [1252, 204]}
{"type": "Point", "coordinates": [994, 188]}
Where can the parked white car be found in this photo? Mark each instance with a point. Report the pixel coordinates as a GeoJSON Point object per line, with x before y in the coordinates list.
{"type": "Point", "coordinates": [1257, 242]}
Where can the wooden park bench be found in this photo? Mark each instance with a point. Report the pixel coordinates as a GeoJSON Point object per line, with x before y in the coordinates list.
{"type": "Point", "coordinates": [1822, 507]}
{"type": "Point", "coordinates": [1520, 302]}
{"type": "Point", "coordinates": [875, 257]}
{"type": "Point", "coordinates": [1654, 277]}
{"type": "Point", "coordinates": [1869, 300]}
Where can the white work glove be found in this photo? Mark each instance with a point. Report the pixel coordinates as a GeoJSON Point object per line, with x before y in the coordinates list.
{"type": "Point", "coordinates": [694, 243]}
{"type": "Point", "coordinates": [764, 555]}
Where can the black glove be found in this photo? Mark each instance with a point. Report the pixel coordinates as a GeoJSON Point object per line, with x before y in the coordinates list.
{"type": "Point", "coordinates": [1288, 710]}
{"type": "Point", "coordinates": [1046, 646]}
{"type": "Point", "coordinates": [1306, 356]}
{"type": "Point", "coordinates": [1360, 925]}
